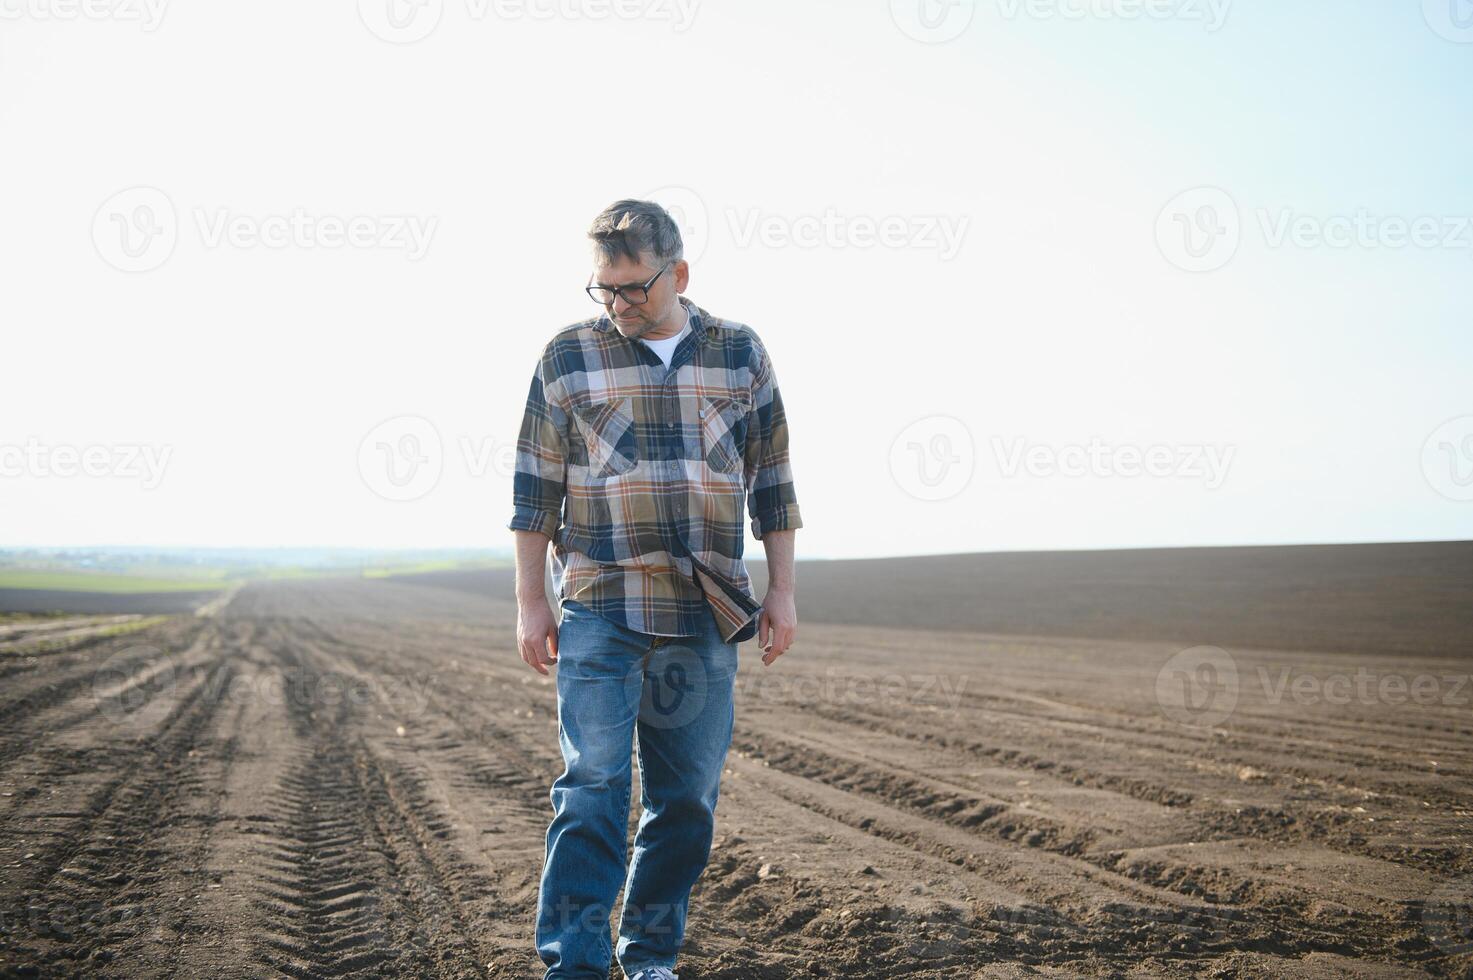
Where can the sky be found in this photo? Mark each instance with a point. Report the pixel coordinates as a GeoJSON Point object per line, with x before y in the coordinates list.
{"type": "Point", "coordinates": [1034, 274]}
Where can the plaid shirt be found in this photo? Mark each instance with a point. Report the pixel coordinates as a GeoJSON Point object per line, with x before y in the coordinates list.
{"type": "Point", "coordinates": [648, 469]}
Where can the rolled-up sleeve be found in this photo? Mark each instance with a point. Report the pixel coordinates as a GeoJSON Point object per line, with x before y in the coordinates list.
{"type": "Point", "coordinates": [772, 501]}
{"type": "Point", "coordinates": [539, 480]}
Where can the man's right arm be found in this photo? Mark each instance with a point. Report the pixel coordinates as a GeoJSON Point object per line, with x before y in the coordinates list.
{"type": "Point", "coordinates": [537, 631]}
{"type": "Point", "coordinates": [538, 488]}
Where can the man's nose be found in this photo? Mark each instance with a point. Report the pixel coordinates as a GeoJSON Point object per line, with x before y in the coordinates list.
{"type": "Point", "coordinates": [621, 305]}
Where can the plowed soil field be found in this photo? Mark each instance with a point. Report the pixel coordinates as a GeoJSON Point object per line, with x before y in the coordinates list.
{"type": "Point", "coordinates": [349, 777]}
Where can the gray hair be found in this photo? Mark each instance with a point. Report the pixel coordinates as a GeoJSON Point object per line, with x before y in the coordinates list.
{"type": "Point", "coordinates": [636, 229]}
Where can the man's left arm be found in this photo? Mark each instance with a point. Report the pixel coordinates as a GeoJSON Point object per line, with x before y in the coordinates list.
{"type": "Point", "coordinates": [779, 608]}
{"type": "Point", "coordinates": [773, 505]}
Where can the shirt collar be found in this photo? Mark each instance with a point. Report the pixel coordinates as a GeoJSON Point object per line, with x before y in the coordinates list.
{"type": "Point", "coordinates": [698, 318]}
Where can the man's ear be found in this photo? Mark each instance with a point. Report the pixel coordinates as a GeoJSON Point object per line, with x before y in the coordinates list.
{"type": "Point", "coordinates": [682, 275]}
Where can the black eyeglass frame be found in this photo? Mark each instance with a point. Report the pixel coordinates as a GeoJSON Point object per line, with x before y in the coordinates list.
{"type": "Point", "coordinates": [619, 290]}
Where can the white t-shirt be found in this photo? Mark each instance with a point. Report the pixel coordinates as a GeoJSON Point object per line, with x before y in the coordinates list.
{"type": "Point", "coordinates": [666, 348]}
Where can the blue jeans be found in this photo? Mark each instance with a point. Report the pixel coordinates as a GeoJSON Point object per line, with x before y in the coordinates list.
{"type": "Point", "coordinates": [675, 695]}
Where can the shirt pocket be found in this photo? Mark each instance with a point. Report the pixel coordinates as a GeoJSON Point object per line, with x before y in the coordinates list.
{"type": "Point", "coordinates": [724, 432]}
{"type": "Point", "coordinates": [607, 429]}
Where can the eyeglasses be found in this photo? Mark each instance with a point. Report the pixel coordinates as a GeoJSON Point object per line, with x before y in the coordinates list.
{"type": "Point", "coordinates": [635, 294]}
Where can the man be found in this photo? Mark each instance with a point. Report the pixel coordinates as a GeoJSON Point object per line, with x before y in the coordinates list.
{"type": "Point", "coordinates": [647, 430]}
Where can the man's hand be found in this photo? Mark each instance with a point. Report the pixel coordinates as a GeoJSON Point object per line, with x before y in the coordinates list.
{"type": "Point", "coordinates": [536, 634]}
{"type": "Point", "coordinates": [779, 618]}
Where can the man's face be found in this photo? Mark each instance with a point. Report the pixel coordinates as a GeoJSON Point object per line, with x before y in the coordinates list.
{"type": "Point", "coordinates": [658, 310]}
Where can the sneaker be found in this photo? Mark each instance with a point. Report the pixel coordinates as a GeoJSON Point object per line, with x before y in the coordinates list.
{"type": "Point", "coordinates": [655, 973]}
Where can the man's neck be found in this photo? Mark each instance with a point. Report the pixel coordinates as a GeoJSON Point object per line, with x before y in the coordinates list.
{"type": "Point", "coordinates": [665, 331]}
